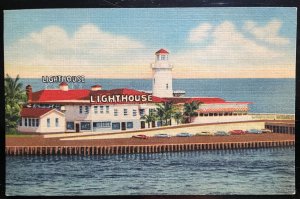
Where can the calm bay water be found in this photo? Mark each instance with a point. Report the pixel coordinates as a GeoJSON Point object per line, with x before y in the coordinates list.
{"type": "Point", "coordinates": [267, 95]}
{"type": "Point", "coordinates": [244, 171]}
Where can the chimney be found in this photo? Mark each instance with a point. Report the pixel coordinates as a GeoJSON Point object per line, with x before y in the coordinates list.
{"type": "Point", "coordinates": [29, 93]}
{"type": "Point", "coordinates": [96, 88]}
{"type": "Point", "coordinates": [63, 86]}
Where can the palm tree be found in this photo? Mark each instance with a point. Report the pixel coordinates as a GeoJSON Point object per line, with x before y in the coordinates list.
{"type": "Point", "coordinates": [190, 108]}
{"type": "Point", "coordinates": [165, 112]}
{"type": "Point", "coordinates": [149, 118]}
{"type": "Point", "coordinates": [14, 99]}
{"type": "Point", "coordinates": [178, 117]}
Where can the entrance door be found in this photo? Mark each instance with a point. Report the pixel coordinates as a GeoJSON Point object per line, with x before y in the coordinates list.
{"type": "Point", "coordinates": [142, 124]}
{"type": "Point", "coordinates": [123, 126]}
{"type": "Point", "coordinates": [153, 124]}
{"type": "Point", "coordinates": [77, 128]}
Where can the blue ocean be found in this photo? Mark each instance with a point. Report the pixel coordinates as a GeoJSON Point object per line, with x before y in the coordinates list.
{"type": "Point", "coordinates": [245, 171]}
{"type": "Point", "coordinates": [266, 95]}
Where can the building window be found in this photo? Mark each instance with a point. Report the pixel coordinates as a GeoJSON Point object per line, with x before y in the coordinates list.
{"type": "Point", "coordinates": [167, 86]}
{"type": "Point", "coordinates": [201, 114]}
{"type": "Point", "coordinates": [101, 125]}
{"type": "Point", "coordinates": [125, 111]}
{"type": "Point", "coordinates": [151, 111]}
{"type": "Point", "coordinates": [101, 109]}
{"type": "Point", "coordinates": [29, 122]}
{"type": "Point", "coordinates": [85, 125]}
{"type": "Point", "coordinates": [86, 109]}
{"type": "Point", "coordinates": [129, 125]}
{"type": "Point", "coordinates": [37, 122]}
{"type": "Point", "coordinates": [95, 109]}
{"type": "Point", "coordinates": [20, 122]}
{"type": "Point", "coordinates": [56, 122]}
{"type": "Point", "coordinates": [33, 122]}
{"type": "Point", "coordinates": [134, 112]}
{"type": "Point", "coordinates": [70, 125]}
{"type": "Point", "coordinates": [215, 114]}
{"type": "Point", "coordinates": [25, 121]}
{"type": "Point", "coordinates": [210, 114]}
{"type": "Point", "coordinates": [115, 125]}
{"type": "Point", "coordinates": [48, 122]}
{"type": "Point", "coordinates": [162, 57]}
{"type": "Point", "coordinates": [107, 109]}
{"type": "Point", "coordinates": [142, 112]}
{"type": "Point", "coordinates": [80, 109]}
{"type": "Point", "coordinates": [115, 112]}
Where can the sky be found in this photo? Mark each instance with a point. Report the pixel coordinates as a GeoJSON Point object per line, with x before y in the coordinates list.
{"type": "Point", "coordinates": [120, 43]}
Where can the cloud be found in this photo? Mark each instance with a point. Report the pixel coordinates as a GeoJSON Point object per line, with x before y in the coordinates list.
{"type": "Point", "coordinates": [268, 33]}
{"type": "Point", "coordinates": [88, 46]}
{"type": "Point", "coordinates": [199, 33]}
{"type": "Point", "coordinates": [230, 50]}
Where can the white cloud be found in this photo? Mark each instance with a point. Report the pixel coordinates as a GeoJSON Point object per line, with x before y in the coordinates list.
{"type": "Point", "coordinates": [268, 33]}
{"type": "Point", "coordinates": [231, 49]}
{"type": "Point", "coordinates": [88, 46]}
{"type": "Point", "coordinates": [199, 33]}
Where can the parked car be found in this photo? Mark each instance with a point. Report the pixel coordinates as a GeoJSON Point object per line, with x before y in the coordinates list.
{"type": "Point", "coordinates": [254, 131]}
{"type": "Point", "coordinates": [184, 135]}
{"type": "Point", "coordinates": [162, 135]}
{"type": "Point", "coordinates": [266, 131]}
{"type": "Point", "coordinates": [140, 136]}
{"type": "Point", "coordinates": [221, 133]}
{"type": "Point", "coordinates": [204, 133]}
{"type": "Point", "coordinates": [237, 132]}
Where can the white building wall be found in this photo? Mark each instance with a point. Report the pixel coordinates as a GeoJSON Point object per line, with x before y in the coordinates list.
{"type": "Point", "coordinates": [162, 82]}
{"type": "Point", "coordinates": [43, 128]}
{"type": "Point", "coordinates": [213, 119]}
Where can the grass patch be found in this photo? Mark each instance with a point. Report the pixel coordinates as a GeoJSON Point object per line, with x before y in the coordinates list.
{"type": "Point", "coordinates": [15, 133]}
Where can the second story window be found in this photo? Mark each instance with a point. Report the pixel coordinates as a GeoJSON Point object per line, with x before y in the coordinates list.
{"type": "Point", "coordinates": [125, 111]}
{"type": "Point", "coordinates": [134, 112]}
{"type": "Point", "coordinates": [142, 112]}
{"type": "Point", "coordinates": [86, 110]}
{"type": "Point", "coordinates": [95, 109]}
{"type": "Point", "coordinates": [107, 109]}
{"type": "Point", "coordinates": [115, 112]}
{"type": "Point", "coordinates": [167, 86]}
{"type": "Point", "coordinates": [101, 109]}
{"type": "Point", "coordinates": [80, 109]}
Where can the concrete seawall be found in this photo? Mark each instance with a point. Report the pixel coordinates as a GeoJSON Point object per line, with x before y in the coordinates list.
{"type": "Point", "coordinates": [130, 149]}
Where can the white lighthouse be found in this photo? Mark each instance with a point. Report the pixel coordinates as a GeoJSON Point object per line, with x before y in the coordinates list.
{"type": "Point", "coordinates": [162, 75]}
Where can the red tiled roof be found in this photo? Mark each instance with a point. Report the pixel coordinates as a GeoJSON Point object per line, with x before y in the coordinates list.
{"type": "Point", "coordinates": [34, 112]}
{"type": "Point", "coordinates": [162, 51]}
{"type": "Point", "coordinates": [52, 95]}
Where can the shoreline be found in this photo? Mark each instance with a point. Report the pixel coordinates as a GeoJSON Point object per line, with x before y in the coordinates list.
{"type": "Point", "coordinates": [52, 146]}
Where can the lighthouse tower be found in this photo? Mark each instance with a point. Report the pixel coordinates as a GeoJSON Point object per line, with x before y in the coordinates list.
{"type": "Point", "coordinates": [162, 75]}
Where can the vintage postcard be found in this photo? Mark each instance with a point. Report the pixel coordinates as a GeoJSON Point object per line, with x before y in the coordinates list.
{"type": "Point", "coordinates": [150, 101]}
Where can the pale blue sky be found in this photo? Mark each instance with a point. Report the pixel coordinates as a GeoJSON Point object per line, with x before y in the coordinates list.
{"type": "Point", "coordinates": [150, 30]}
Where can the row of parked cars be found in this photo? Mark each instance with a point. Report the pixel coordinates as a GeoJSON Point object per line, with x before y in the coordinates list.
{"type": "Point", "coordinates": [206, 133]}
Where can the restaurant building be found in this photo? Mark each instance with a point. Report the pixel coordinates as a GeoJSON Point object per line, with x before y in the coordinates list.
{"type": "Point", "coordinates": [122, 109]}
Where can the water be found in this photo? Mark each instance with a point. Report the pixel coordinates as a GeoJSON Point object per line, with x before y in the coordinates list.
{"type": "Point", "coordinates": [267, 95]}
{"type": "Point", "coordinates": [244, 171]}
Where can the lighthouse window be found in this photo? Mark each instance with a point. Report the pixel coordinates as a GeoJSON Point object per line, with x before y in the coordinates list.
{"type": "Point", "coordinates": [163, 57]}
